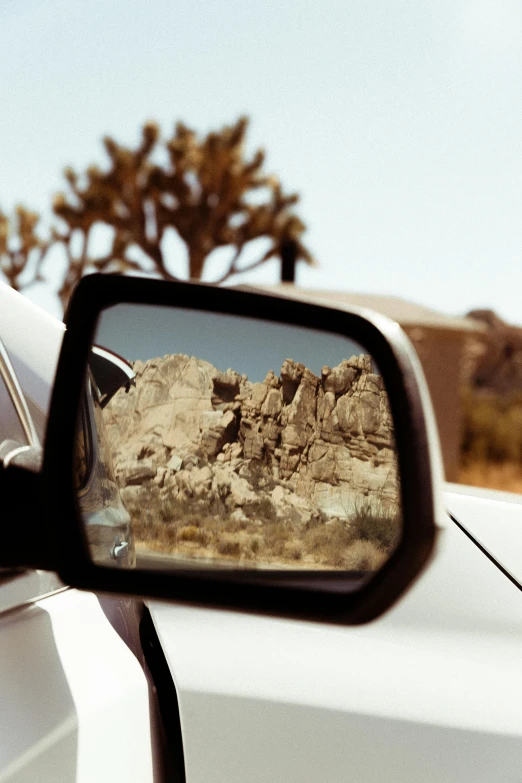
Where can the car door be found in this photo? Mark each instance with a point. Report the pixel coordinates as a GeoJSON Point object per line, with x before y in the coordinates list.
{"type": "Point", "coordinates": [74, 698]}
{"type": "Point", "coordinates": [431, 691]}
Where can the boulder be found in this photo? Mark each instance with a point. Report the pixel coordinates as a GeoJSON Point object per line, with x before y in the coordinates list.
{"type": "Point", "coordinates": [175, 463]}
{"type": "Point", "coordinates": [138, 473]}
{"type": "Point", "coordinates": [306, 443]}
{"type": "Point", "coordinates": [225, 387]}
{"type": "Point", "coordinates": [339, 380]}
{"type": "Point", "coordinates": [217, 429]}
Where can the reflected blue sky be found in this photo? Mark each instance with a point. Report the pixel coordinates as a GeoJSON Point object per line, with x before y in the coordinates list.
{"type": "Point", "coordinates": [247, 345]}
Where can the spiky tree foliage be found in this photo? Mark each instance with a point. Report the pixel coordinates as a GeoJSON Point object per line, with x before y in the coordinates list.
{"type": "Point", "coordinates": [22, 250]}
{"type": "Point", "coordinates": [203, 190]}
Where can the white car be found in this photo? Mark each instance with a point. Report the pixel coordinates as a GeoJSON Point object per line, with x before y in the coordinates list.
{"type": "Point", "coordinates": [429, 691]}
{"type": "Point", "coordinates": [75, 701]}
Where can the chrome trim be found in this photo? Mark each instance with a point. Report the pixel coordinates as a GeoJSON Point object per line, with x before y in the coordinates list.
{"type": "Point", "coordinates": [120, 550]}
{"type": "Point", "coordinates": [16, 394]}
{"type": "Point", "coordinates": [14, 453]}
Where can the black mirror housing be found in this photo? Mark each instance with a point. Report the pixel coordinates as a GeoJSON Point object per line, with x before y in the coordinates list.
{"type": "Point", "coordinates": [330, 596]}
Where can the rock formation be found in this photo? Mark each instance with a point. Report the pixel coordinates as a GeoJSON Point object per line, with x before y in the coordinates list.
{"type": "Point", "coordinates": [308, 445]}
{"type": "Point", "coordinates": [496, 368]}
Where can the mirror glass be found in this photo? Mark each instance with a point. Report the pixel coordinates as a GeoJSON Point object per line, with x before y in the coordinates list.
{"type": "Point", "coordinates": [236, 442]}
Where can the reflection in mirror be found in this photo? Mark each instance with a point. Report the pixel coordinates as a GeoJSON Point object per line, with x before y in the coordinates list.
{"type": "Point", "coordinates": [108, 525]}
{"type": "Point", "coordinates": [249, 444]}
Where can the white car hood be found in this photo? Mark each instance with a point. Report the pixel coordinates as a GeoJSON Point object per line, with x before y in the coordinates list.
{"type": "Point", "coordinates": [493, 519]}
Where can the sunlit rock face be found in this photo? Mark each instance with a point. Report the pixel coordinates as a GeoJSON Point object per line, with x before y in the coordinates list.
{"type": "Point", "coordinates": [312, 444]}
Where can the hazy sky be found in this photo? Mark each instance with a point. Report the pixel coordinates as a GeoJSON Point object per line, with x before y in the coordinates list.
{"type": "Point", "coordinates": [245, 345]}
{"type": "Point", "coordinates": [399, 123]}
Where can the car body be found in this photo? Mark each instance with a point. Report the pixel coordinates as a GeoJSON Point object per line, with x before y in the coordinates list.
{"type": "Point", "coordinates": [430, 691]}
{"type": "Point", "coordinates": [75, 700]}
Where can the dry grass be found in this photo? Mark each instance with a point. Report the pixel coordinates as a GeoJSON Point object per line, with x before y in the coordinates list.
{"type": "Point", "coordinates": [506, 476]}
{"type": "Point", "coordinates": [364, 556]}
{"type": "Point", "coordinates": [491, 427]}
{"type": "Point", "coordinates": [189, 528]}
{"type": "Point", "coordinates": [379, 525]}
{"type": "Point", "coordinates": [491, 443]}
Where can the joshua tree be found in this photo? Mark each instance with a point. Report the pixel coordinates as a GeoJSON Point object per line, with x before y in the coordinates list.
{"type": "Point", "coordinates": [22, 250]}
{"type": "Point", "coordinates": [203, 191]}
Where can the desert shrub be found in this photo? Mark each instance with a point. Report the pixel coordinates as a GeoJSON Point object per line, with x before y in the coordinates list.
{"type": "Point", "coordinates": [178, 509]}
{"type": "Point", "coordinates": [255, 543]}
{"type": "Point", "coordinates": [375, 523]}
{"type": "Point", "coordinates": [167, 534]}
{"type": "Point", "coordinates": [229, 545]}
{"type": "Point", "coordinates": [491, 427]}
{"type": "Point", "coordinates": [333, 557]}
{"type": "Point", "coordinates": [314, 539]}
{"type": "Point", "coordinates": [263, 510]}
{"type": "Point", "coordinates": [249, 547]}
{"type": "Point", "coordinates": [143, 522]}
{"type": "Point", "coordinates": [192, 533]}
{"type": "Point", "coordinates": [260, 476]}
{"type": "Point", "coordinates": [168, 508]}
{"type": "Point", "coordinates": [191, 511]}
{"type": "Point", "coordinates": [217, 508]}
{"type": "Point", "coordinates": [294, 550]}
{"type": "Point", "coordinates": [327, 541]}
{"type": "Point", "coordinates": [333, 545]}
{"type": "Point", "coordinates": [275, 536]}
{"type": "Point", "coordinates": [364, 556]}
{"type": "Point", "coordinates": [293, 518]}
{"type": "Point", "coordinates": [324, 537]}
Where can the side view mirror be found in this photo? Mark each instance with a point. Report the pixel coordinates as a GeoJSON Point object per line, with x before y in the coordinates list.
{"type": "Point", "coordinates": [271, 455]}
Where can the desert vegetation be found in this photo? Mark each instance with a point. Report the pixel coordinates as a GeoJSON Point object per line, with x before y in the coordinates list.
{"type": "Point", "coordinates": [193, 528]}
{"type": "Point", "coordinates": [492, 427]}
{"type": "Point", "coordinates": [491, 404]}
{"type": "Point", "coordinates": [491, 446]}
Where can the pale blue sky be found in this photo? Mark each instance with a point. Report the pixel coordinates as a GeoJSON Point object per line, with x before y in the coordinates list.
{"type": "Point", "coordinates": [245, 345]}
{"type": "Point", "coordinates": [400, 123]}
